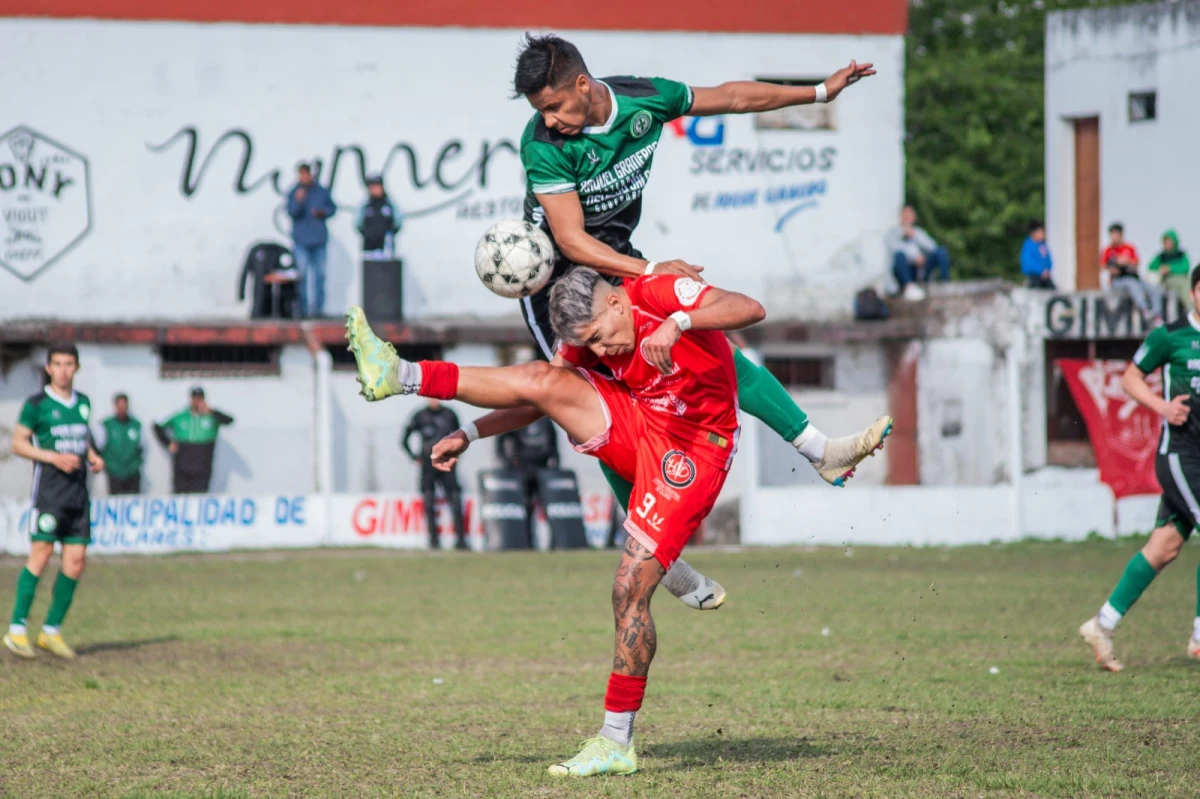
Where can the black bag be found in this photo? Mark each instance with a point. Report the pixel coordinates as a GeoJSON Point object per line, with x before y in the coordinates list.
{"type": "Point", "coordinates": [869, 306]}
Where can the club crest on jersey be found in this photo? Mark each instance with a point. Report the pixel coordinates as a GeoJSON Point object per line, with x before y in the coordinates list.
{"type": "Point", "coordinates": [678, 469]}
{"type": "Point", "coordinates": [640, 125]}
{"type": "Point", "coordinates": [47, 523]}
{"type": "Point", "coordinates": [687, 290]}
{"type": "Point", "coordinates": [85, 412]}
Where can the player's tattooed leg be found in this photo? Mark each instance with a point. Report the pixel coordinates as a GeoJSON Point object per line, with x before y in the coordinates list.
{"type": "Point", "coordinates": [638, 574]}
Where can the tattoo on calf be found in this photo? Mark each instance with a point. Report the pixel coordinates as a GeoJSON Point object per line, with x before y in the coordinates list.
{"type": "Point", "coordinates": [638, 574]}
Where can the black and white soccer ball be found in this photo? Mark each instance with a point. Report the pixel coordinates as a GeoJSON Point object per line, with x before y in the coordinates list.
{"type": "Point", "coordinates": [514, 258]}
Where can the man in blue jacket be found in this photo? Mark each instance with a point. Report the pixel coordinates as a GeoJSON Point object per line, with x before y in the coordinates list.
{"type": "Point", "coordinates": [309, 205]}
{"type": "Point", "coordinates": [1036, 264]}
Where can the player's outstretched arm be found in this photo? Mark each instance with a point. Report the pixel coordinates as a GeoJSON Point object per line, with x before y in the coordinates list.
{"type": "Point", "coordinates": [749, 97]}
{"type": "Point", "coordinates": [447, 451]}
{"type": "Point", "coordinates": [1135, 385]}
{"type": "Point", "coordinates": [564, 212]}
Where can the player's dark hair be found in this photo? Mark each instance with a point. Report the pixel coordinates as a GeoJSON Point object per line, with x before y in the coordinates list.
{"type": "Point", "coordinates": [1195, 277]}
{"type": "Point", "coordinates": [120, 397]}
{"type": "Point", "coordinates": [62, 348]}
{"type": "Point", "coordinates": [546, 61]}
{"type": "Point", "coordinates": [1036, 224]}
{"type": "Point", "coordinates": [1117, 226]}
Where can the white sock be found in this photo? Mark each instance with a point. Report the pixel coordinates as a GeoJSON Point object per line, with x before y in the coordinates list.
{"type": "Point", "coordinates": [811, 443]}
{"type": "Point", "coordinates": [1196, 628]}
{"type": "Point", "coordinates": [681, 579]}
{"type": "Point", "coordinates": [49, 630]}
{"type": "Point", "coordinates": [1109, 617]}
{"type": "Point", "coordinates": [618, 726]}
{"type": "Point", "coordinates": [407, 377]}
{"type": "Point", "coordinates": [16, 629]}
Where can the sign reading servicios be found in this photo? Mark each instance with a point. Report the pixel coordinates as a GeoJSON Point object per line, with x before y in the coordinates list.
{"type": "Point", "coordinates": [44, 203]}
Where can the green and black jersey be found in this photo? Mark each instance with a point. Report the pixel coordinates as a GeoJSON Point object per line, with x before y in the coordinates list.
{"type": "Point", "coordinates": [60, 425]}
{"type": "Point", "coordinates": [1176, 348]}
{"type": "Point", "coordinates": [608, 165]}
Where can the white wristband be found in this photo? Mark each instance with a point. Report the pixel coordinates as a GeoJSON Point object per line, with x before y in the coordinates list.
{"type": "Point", "coordinates": [470, 431]}
{"type": "Point", "coordinates": [650, 267]}
{"type": "Point", "coordinates": [683, 320]}
{"type": "Point", "coordinates": [822, 93]}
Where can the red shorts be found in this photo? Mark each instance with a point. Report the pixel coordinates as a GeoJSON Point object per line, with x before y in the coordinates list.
{"type": "Point", "coordinates": [673, 491]}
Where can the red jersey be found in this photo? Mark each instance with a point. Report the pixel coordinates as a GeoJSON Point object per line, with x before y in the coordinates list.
{"type": "Point", "coordinates": [697, 402]}
{"type": "Point", "coordinates": [1125, 249]}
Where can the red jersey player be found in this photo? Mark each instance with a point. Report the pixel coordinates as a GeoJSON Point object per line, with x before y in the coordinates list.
{"type": "Point", "coordinates": [666, 420]}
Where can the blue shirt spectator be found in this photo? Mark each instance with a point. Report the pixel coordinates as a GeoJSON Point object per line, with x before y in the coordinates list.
{"type": "Point", "coordinates": [1036, 264]}
{"type": "Point", "coordinates": [309, 205]}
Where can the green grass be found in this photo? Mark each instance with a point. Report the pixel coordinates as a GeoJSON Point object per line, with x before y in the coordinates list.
{"type": "Point", "coordinates": [313, 674]}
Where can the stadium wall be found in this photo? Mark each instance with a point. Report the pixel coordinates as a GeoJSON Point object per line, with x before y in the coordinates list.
{"type": "Point", "coordinates": [1095, 59]}
{"type": "Point", "coordinates": [139, 183]}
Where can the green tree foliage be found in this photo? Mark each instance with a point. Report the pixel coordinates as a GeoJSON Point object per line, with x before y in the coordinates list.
{"type": "Point", "coordinates": [975, 141]}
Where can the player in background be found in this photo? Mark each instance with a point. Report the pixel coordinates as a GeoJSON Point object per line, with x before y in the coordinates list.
{"type": "Point", "coordinates": [53, 433]}
{"type": "Point", "coordinates": [1175, 348]}
{"type": "Point", "coordinates": [666, 421]}
{"type": "Point", "coordinates": [587, 154]}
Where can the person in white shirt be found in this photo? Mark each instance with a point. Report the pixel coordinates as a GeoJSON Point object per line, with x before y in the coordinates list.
{"type": "Point", "coordinates": [916, 257]}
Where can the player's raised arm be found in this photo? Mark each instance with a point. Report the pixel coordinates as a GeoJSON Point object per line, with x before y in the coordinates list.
{"type": "Point", "coordinates": [749, 97]}
{"type": "Point", "coordinates": [700, 308]}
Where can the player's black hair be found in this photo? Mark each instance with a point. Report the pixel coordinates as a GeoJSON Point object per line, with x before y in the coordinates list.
{"type": "Point", "coordinates": [1195, 277]}
{"type": "Point", "coordinates": [120, 397]}
{"type": "Point", "coordinates": [62, 348]}
{"type": "Point", "coordinates": [1036, 224]}
{"type": "Point", "coordinates": [1117, 226]}
{"type": "Point", "coordinates": [546, 61]}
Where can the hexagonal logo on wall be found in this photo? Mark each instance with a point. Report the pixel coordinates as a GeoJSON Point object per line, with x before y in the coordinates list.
{"type": "Point", "coordinates": [45, 201]}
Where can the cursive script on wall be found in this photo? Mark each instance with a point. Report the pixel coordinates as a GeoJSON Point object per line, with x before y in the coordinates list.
{"type": "Point", "coordinates": [452, 168]}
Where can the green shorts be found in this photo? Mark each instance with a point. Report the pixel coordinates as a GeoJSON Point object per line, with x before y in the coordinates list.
{"type": "Point", "coordinates": [73, 526]}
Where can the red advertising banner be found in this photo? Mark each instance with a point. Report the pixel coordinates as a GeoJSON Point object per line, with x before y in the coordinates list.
{"type": "Point", "coordinates": [1123, 433]}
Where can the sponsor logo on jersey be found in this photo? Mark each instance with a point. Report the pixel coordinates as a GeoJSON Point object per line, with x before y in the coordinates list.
{"type": "Point", "coordinates": [47, 523]}
{"type": "Point", "coordinates": [687, 290]}
{"type": "Point", "coordinates": [591, 156]}
{"type": "Point", "coordinates": [44, 203]}
{"type": "Point", "coordinates": [640, 124]}
{"type": "Point", "coordinates": [678, 469]}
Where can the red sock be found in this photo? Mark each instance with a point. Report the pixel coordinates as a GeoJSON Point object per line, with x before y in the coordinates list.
{"type": "Point", "coordinates": [439, 380]}
{"type": "Point", "coordinates": [624, 693]}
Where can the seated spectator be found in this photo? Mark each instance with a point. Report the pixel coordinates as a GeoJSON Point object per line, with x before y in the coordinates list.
{"type": "Point", "coordinates": [1121, 260]}
{"type": "Point", "coordinates": [1036, 264]}
{"type": "Point", "coordinates": [915, 255]}
{"type": "Point", "coordinates": [1173, 268]}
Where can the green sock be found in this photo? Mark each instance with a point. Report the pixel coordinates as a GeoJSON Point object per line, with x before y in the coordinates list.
{"type": "Point", "coordinates": [621, 487]}
{"type": "Point", "coordinates": [765, 398]}
{"type": "Point", "coordinates": [64, 592]}
{"type": "Point", "coordinates": [26, 587]}
{"type": "Point", "coordinates": [1136, 579]}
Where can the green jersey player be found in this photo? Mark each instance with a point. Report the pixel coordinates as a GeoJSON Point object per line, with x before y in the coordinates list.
{"type": "Point", "coordinates": [1176, 349]}
{"type": "Point", "coordinates": [587, 154]}
{"type": "Point", "coordinates": [53, 433]}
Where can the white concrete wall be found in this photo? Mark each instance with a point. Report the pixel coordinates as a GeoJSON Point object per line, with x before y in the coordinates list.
{"type": "Point", "coordinates": [1148, 170]}
{"type": "Point", "coordinates": [120, 93]}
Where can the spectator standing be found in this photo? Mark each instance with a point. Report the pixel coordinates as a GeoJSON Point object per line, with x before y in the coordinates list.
{"type": "Point", "coordinates": [309, 205]}
{"type": "Point", "coordinates": [1173, 268]}
{"type": "Point", "coordinates": [915, 255]}
{"type": "Point", "coordinates": [1036, 263]}
{"type": "Point", "coordinates": [433, 423]}
{"type": "Point", "coordinates": [378, 220]}
{"type": "Point", "coordinates": [122, 448]}
{"type": "Point", "coordinates": [1121, 260]}
{"type": "Point", "coordinates": [191, 437]}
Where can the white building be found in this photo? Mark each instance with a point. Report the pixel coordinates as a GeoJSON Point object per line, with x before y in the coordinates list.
{"type": "Point", "coordinates": [1121, 123]}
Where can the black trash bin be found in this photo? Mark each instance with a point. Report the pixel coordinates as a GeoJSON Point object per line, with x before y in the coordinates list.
{"type": "Point", "coordinates": [383, 289]}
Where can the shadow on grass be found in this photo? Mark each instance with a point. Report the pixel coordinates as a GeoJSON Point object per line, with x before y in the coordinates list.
{"type": "Point", "coordinates": [123, 646]}
{"type": "Point", "coordinates": [701, 752]}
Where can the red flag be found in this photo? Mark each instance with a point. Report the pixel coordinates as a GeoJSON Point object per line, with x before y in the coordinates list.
{"type": "Point", "coordinates": [1123, 433]}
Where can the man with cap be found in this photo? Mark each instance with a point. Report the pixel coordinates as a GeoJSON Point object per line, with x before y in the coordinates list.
{"type": "Point", "coordinates": [191, 436]}
{"type": "Point", "coordinates": [378, 220]}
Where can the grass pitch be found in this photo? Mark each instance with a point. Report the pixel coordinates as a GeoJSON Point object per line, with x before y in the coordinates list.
{"type": "Point", "coordinates": [828, 673]}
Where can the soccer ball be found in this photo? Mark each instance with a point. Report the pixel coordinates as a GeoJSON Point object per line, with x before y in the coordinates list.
{"type": "Point", "coordinates": [514, 258]}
